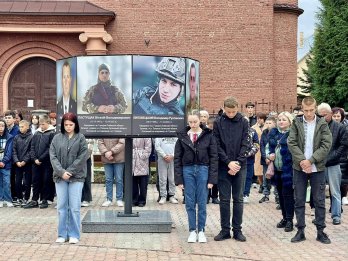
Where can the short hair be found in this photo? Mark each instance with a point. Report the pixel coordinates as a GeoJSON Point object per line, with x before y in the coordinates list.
{"type": "Point", "coordinates": [69, 116]}
{"type": "Point", "coordinates": [203, 112]}
{"type": "Point", "coordinates": [272, 119]}
{"type": "Point", "coordinates": [24, 122]}
{"type": "Point", "coordinates": [249, 104]}
{"type": "Point", "coordinates": [336, 110]}
{"type": "Point", "coordinates": [309, 100]}
{"type": "Point", "coordinates": [44, 118]}
{"type": "Point", "coordinates": [288, 115]}
{"type": "Point", "coordinates": [211, 119]}
{"type": "Point", "coordinates": [261, 115]}
{"type": "Point", "coordinates": [324, 106]}
{"type": "Point", "coordinates": [20, 115]}
{"type": "Point", "coordinates": [297, 108]}
{"type": "Point", "coordinates": [10, 113]}
{"type": "Point", "coordinates": [66, 64]}
{"type": "Point", "coordinates": [53, 115]}
{"type": "Point", "coordinates": [230, 102]}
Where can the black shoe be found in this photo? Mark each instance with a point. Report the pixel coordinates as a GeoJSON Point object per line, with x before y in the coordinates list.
{"type": "Point", "coordinates": [215, 201]}
{"type": "Point", "coordinates": [278, 207]}
{"type": "Point", "coordinates": [141, 205]}
{"type": "Point", "coordinates": [314, 221]}
{"type": "Point", "coordinates": [322, 237]}
{"type": "Point", "coordinates": [264, 199]}
{"type": "Point", "coordinates": [18, 203]}
{"type": "Point", "coordinates": [281, 224]}
{"type": "Point", "coordinates": [208, 200]}
{"type": "Point", "coordinates": [336, 221]}
{"type": "Point", "coordinates": [44, 204]}
{"type": "Point", "coordinates": [261, 189]}
{"type": "Point", "coordinates": [289, 226]}
{"type": "Point", "coordinates": [238, 235]}
{"type": "Point", "coordinates": [31, 204]}
{"type": "Point", "coordinates": [300, 236]}
{"type": "Point", "coordinates": [222, 236]}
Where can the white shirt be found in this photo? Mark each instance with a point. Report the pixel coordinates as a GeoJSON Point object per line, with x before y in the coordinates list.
{"type": "Point", "coordinates": [309, 128]}
{"type": "Point", "coordinates": [66, 105]}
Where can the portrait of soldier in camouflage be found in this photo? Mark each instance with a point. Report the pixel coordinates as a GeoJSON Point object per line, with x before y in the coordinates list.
{"type": "Point", "coordinates": [104, 97]}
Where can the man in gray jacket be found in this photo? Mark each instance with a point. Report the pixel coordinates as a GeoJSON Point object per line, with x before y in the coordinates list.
{"type": "Point", "coordinates": [309, 142]}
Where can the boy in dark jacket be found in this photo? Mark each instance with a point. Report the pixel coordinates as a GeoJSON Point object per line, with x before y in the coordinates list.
{"type": "Point", "coordinates": [42, 169]}
{"type": "Point", "coordinates": [5, 165]}
{"type": "Point", "coordinates": [21, 157]}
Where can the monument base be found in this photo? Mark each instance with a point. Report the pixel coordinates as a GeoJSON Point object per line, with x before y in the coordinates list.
{"type": "Point", "coordinates": [110, 221]}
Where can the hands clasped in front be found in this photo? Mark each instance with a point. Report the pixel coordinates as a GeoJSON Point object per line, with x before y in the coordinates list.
{"type": "Point", "coordinates": [234, 167]}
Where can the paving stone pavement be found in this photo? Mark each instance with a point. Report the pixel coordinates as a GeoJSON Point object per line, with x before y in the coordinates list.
{"type": "Point", "coordinates": [29, 234]}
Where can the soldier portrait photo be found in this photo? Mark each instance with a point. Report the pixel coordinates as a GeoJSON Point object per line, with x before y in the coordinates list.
{"type": "Point", "coordinates": [158, 85]}
{"type": "Point", "coordinates": [109, 85]}
{"type": "Point", "coordinates": [192, 86]}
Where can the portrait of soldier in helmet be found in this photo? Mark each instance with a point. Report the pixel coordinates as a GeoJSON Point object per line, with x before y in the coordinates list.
{"type": "Point", "coordinates": [104, 97]}
{"type": "Point", "coordinates": [165, 97]}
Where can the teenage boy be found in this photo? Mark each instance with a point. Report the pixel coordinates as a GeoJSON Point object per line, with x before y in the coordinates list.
{"type": "Point", "coordinates": [231, 132]}
{"type": "Point", "coordinates": [21, 157]}
{"type": "Point", "coordinates": [41, 169]}
{"type": "Point", "coordinates": [5, 165]}
{"type": "Point", "coordinates": [12, 127]}
{"type": "Point", "coordinates": [309, 142]}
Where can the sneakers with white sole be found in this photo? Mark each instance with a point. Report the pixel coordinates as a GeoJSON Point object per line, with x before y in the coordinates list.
{"type": "Point", "coordinates": [107, 203]}
{"type": "Point", "coordinates": [192, 237]}
{"type": "Point", "coordinates": [60, 240]}
{"type": "Point", "coordinates": [84, 204]}
{"type": "Point", "coordinates": [246, 199]}
{"type": "Point", "coordinates": [119, 203]}
{"type": "Point", "coordinates": [9, 204]}
{"type": "Point", "coordinates": [344, 201]}
{"type": "Point", "coordinates": [201, 237]}
{"type": "Point", "coordinates": [173, 200]}
{"type": "Point", "coordinates": [162, 201]}
{"type": "Point", "coordinates": [1, 204]}
{"type": "Point", "coordinates": [73, 240]}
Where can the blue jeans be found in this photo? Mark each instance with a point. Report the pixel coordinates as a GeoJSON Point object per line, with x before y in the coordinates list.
{"type": "Point", "coordinates": [236, 183]}
{"type": "Point", "coordinates": [333, 176]}
{"type": "Point", "coordinates": [196, 192]}
{"type": "Point", "coordinates": [68, 207]}
{"type": "Point", "coordinates": [112, 171]}
{"type": "Point", "coordinates": [5, 192]}
{"type": "Point", "coordinates": [249, 179]}
{"type": "Point", "coordinates": [317, 182]}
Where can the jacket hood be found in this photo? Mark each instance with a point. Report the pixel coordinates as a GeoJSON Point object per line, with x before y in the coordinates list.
{"type": "Point", "coordinates": [50, 127]}
{"type": "Point", "coordinates": [204, 128]}
{"type": "Point", "coordinates": [25, 134]}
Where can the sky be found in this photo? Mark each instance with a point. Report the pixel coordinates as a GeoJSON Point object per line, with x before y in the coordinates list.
{"type": "Point", "coordinates": [306, 24]}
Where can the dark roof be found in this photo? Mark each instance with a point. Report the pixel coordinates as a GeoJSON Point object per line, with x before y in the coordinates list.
{"type": "Point", "coordinates": [288, 8]}
{"type": "Point", "coordinates": [47, 7]}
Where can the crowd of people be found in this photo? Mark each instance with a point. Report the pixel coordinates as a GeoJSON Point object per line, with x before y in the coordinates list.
{"type": "Point", "coordinates": [213, 158]}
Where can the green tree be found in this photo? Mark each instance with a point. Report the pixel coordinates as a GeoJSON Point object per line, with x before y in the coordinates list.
{"type": "Point", "coordinates": [328, 69]}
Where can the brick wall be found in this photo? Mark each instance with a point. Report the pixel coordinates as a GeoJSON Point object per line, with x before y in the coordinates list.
{"type": "Point", "coordinates": [244, 48]}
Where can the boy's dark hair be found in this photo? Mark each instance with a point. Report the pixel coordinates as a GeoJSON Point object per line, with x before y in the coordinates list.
{"type": "Point", "coordinates": [211, 119]}
{"type": "Point", "coordinates": [261, 115]}
{"type": "Point", "coordinates": [272, 119]}
{"type": "Point", "coordinates": [249, 104]}
{"type": "Point", "coordinates": [297, 108]}
{"type": "Point", "coordinates": [69, 117]}
{"type": "Point", "coordinates": [10, 113]}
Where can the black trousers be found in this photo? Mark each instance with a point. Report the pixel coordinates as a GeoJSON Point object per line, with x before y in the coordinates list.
{"type": "Point", "coordinates": [87, 185]}
{"type": "Point", "coordinates": [43, 186]}
{"type": "Point", "coordinates": [13, 181]}
{"type": "Point", "coordinates": [23, 173]}
{"type": "Point", "coordinates": [140, 189]}
{"type": "Point", "coordinates": [213, 192]}
{"type": "Point", "coordinates": [286, 198]}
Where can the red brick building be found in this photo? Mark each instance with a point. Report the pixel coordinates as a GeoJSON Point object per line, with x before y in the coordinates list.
{"type": "Point", "coordinates": [246, 48]}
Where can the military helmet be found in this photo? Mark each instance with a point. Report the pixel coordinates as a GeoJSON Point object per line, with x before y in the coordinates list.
{"type": "Point", "coordinates": [172, 68]}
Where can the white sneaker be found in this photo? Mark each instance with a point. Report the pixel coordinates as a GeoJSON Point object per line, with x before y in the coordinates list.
{"type": "Point", "coordinates": [192, 237]}
{"type": "Point", "coordinates": [60, 240]}
{"type": "Point", "coordinates": [73, 240]}
{"type": "Point", "coordinates": [344, 201]}
{"type": "Point", "coordinates": [119, 203]}
{"type": "Point", "coordinates": [84, 204]}
{"type": "Point", "coordinates": [9, 204]}
{"type": "Point", "coordinates": [49, 202]}
{"type": "Point", "coordinates": [1, 204]}
{"type": "Point", "coordinates": [246, 199]}
{"type": "Point", "coordinates": [162, 201]}
{"type": "Point", "coordinates": [201, 237]}
{"type": "Point", "coordinates": [173, 200]}
{"type": "Point", "coordinates": [107, 203]}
